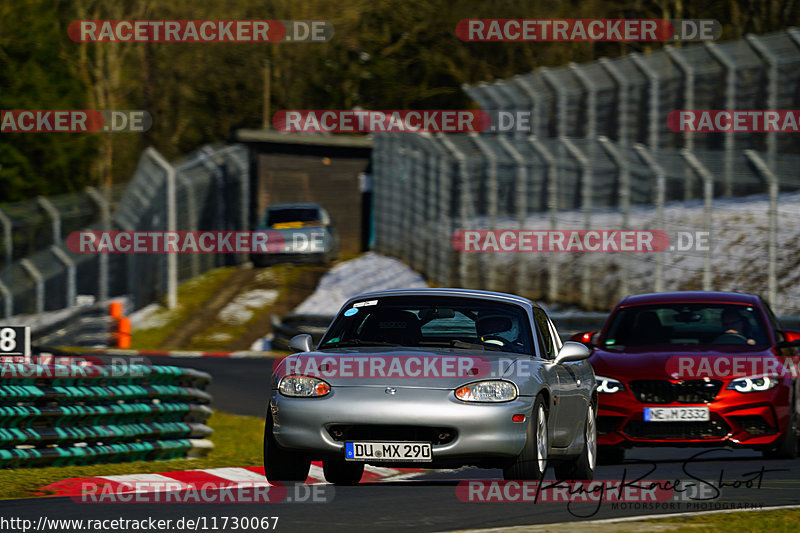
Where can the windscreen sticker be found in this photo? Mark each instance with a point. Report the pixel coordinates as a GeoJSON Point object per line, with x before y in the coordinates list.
{"type": "Point", "coordinates": [365, 304]}
{"type": "Point", "coordinates": [350, 312]}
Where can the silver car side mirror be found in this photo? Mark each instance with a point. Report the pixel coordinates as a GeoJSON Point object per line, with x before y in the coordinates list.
{"type": "Point", "coordinates": [572, 351]}
{"type": "Point", "coordinates": [301, 342]}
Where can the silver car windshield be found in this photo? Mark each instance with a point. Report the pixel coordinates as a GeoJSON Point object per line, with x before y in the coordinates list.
{"type": "Point", "coordinates": [432, 321]}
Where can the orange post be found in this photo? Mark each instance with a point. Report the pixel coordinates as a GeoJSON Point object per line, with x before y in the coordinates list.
{"type": "Point", "coordinates": [124, 335]}
{"type": "Point", "coordinates": [115, 310]}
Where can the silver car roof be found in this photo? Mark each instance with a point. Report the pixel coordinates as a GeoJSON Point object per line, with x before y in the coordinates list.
{"type": "Point", "coordinates": [462, 293]}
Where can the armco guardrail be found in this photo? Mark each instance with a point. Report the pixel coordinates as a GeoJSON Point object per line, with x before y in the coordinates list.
{"type": "Point", "coordinates": [287, 327]}
{"type": "Point", "coordinates": [85, 409]}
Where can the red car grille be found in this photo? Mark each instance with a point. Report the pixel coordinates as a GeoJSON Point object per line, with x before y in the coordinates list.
{"type": "Point", "coordinates": [662, 391]}
{"type": "Point", "coordinates": [640, 429]}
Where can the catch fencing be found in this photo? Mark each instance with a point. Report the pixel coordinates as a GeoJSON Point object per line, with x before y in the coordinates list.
{"type": "Point", "coordinates": [78, 410]}
{"type": "Point", "coordinates": [599, 156]}
{"type": "Point", "coordinates": [207, 190]}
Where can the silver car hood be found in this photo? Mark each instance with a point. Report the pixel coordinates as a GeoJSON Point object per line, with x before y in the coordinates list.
{"type": "Point", "coordinates": [439, 368]}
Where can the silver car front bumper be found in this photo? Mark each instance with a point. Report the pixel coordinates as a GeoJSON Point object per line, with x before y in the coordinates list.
{"type": "Point", "coordinates": [482, 429]}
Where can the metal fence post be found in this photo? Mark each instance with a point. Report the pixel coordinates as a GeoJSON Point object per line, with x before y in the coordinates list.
{"type": "Point", "coordinates": [552, 204]}
{"type": "Point", "coordinates": [772, 91]}
{"type": "Point", "coordinates": [522, 208]}
{"type": "Point", "coordinates": [561, 100]}
{"type": "Point", "coordinates": [688, 90]}
{"type": "Point", "coordinates": [586, 207]}
{"type": "Point", "coordinates": [8, 241]}
{"type": "Point", "coordinates": [465, 202]}
{"type": "Point", "coordinates": [772, 180]}
{"type": "Point", "coordinates": [623, 132]}
{"type": "Point", "coordinates": [537, 104]}
{"type": "Point", "coordinates": [655, 96]}
{"type": "Point", "coordinates": [55, 217]}
{"type": "Point", "coordinates": [730, 103]}
{"type": "Point", "coordinates": [69, 265]}
{"type": "Point", "coordinates": [491, 161]}
{"type": "Point", "coordinates": [708, 194]}
{"type": "Point", "coordinates": [446, 216]}
{"type": "Point", "coordinates": [105, 218]}
{"type": "Point", "coordinates": [661, 192]}
{"type": "Point", "coordinates": [591, 100]}
{"type": "Point", "coordinates": [194, 260]}
{"type": "Point", "coordinates": [624, 203]}
{"type": "Point", "coordinates": [172, 259]}
{"type": "Point", "coordinates": [38, 282]}
{"type": "Point", "coordinates": [8, 300]}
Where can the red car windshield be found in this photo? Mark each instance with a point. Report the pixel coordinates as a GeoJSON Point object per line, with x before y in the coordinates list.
{"type": "Point", "coordinates": [681, 323]}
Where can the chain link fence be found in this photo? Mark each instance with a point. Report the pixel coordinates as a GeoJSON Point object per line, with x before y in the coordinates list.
{"type": "Point", "coordinates": [600, 156]}
{"type": "Point", "coordinates": [209, 189]}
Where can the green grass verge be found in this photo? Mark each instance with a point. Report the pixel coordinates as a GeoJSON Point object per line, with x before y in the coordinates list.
{"type": "Point", "coordinates": [786, 521]}
{"type": "Point", "coordinates": [192, 294]}
{"type": "Point", "coordinates": [279, 277]}
{"type": "Point", "coordinates": [237, 442]}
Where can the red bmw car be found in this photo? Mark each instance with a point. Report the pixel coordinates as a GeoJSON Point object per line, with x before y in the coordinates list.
{"type": "Point", "coordinates": [695, 368]}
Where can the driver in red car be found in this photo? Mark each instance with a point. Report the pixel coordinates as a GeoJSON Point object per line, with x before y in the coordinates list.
{"type": "Point", "coordinates": [734, 326]}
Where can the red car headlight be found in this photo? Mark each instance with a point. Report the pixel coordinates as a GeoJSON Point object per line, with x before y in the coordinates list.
{"type": "Point", "coordinates": [753, 384]}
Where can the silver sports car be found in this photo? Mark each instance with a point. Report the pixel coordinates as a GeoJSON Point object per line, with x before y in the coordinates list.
{"type": "Point", "coordinates": [433, 378]}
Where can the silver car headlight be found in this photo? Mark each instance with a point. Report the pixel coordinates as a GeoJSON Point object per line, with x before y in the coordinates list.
{"type": "Point", "coordinates": [487, 391]}
{"type": "Point", "coordinates": [303, 387]}
{"type": "Point", "coordinates": [753, 384]}
{"type": "Point", "coordinates": [608, 385]}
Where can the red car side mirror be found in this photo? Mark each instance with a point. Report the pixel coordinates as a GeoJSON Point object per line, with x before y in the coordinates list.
{"type": "Point", "coordinates": [585, 337]}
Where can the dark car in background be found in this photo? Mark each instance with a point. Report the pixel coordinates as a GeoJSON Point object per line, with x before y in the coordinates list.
{"type": "Point", "coordinates": [695, 368]}
{"type": "Point", "coordinates": [307, 233]}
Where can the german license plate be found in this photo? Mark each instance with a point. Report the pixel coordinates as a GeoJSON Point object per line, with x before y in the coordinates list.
{"type": "Point", "coordinates": [387, 451]}
{"type": "Point", "coordinates": [676, 414]}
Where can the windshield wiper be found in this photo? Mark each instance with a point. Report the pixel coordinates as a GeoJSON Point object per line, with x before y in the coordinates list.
{"type": "Point", "coordinates": [359, 342]}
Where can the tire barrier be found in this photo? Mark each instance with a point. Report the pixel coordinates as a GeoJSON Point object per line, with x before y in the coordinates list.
{"type": "Point", "coordinates": [73, 411]}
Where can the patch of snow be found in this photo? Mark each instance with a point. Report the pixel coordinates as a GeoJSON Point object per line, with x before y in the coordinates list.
{"type": "Point", "coordinates": [738, 237]}
{"type": "Point", "coordinates": [218, 337]}
{"type": "Point", "coordinates": [370, 272]}
{"type": "Point", "coordinates": [150, 316]}
{"type": "Point", "coordinates": [241, 309]}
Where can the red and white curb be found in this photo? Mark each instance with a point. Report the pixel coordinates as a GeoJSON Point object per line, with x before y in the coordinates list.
{"type": "Point", "coordinates": [212, 477]}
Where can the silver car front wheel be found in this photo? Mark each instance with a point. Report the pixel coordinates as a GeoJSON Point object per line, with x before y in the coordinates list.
{"type": "Point", "coordinates": [532, 462]}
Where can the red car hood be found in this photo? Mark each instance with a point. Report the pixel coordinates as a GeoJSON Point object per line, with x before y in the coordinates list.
{"type": "Point", "coordinates": [663, 362]}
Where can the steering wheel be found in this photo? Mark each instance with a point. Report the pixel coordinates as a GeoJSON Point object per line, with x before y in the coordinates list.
{"type": "Point", "coordinates": [494, 339]}
{"type": "Point", "coordinates": [731, 338]}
